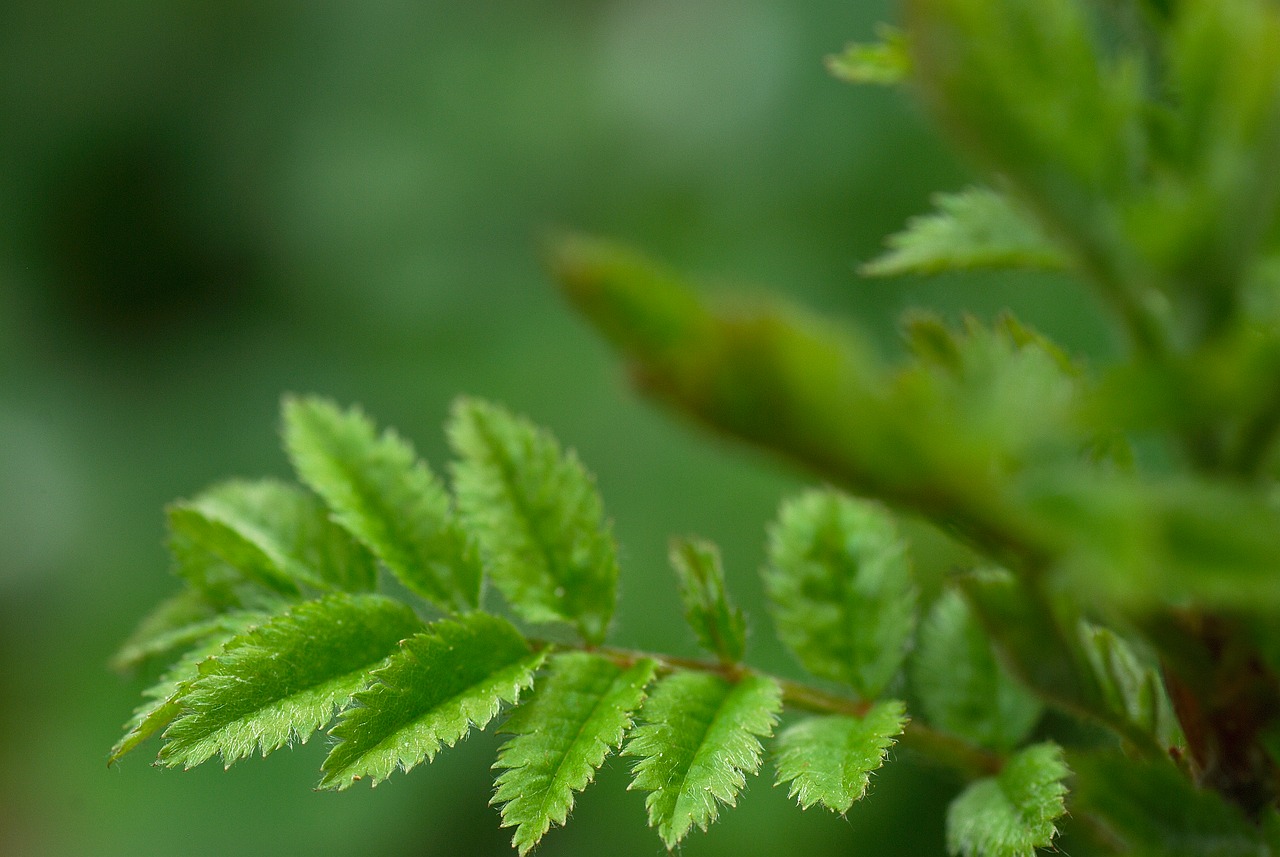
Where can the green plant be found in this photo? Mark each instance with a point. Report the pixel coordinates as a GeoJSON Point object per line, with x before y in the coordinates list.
{"type": "Point", "coordinates": [1122, 522]}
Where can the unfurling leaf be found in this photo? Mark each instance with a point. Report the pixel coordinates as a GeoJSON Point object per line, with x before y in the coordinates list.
{"type": "Point", "coordinates": [840, 585]}
{"type": "Point", "coordinates": [829, 760]}
{"type": "Point", "coordinates": [719, 625]}
{"type": "Point", "coordinates": [1013, 813]}
{"type": "Point", "coordinates": [578, 714]}
{"type": "Point", "coordinates": [537, 516]}
{"type": "Point", "coordinates": [453, 676]}
{"type": "Point", "coordinates": [699, 738]}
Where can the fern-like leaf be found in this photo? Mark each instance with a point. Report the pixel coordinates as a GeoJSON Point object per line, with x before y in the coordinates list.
{"type": "Point", "coordinates": [963, 689]}
{"type": "Point", "coordinates": [718, 624]}
{"type": "Point", "coordinates": [699, 739]}
{"type": "Point", "coordinates": [829, 760]}
{"type": "Point", "coordinates": [537, 516]}
{"type": "Point", "coordinates": [453, 676]}
{"type": "Point", "coordinates": [1013, 813]}
{"type": "Point", "coordinates": [840, 586]}
{"type": "Point", "coordinates": [578, 714]}
{"type": "Point", "coordinates": [391, 501]}
{"type": "Point", "coordinates": [283, 680]}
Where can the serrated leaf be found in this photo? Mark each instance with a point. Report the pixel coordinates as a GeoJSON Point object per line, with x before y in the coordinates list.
{"type": "Point", "coordinates": [975, 229]}
{"type": "Point", "coordinates": [1131, 688]}
{"type": "Point", "coordinates": [453, 676]}
{"type": "Point", "coordinates": [283, 680]}
{"type": "Point", "coordinates": [164, 698]}
{"type": "Point", "coordinates": [720, 626]}
{"type": "Point", "coordinates": [699, 738]}
{"type": "Point", "coordinates": [386, 497]}
{"type": "Point", "coordinates": [963, 689]}
{"type": "Point", "coordinates": [829, 760]}
{"type": "Point", "coordinates": [537, 516]}
{"type": "Point", "coordinates": [578, 714]}
{"type": "Point", "coordinates": [839, 583]}
{"type": "Point", "coordinates": [1013, 813]}
{"type": "Point", "coordinates": [274, 533]}
{"type": "Point", "coordinates": [885, 62]}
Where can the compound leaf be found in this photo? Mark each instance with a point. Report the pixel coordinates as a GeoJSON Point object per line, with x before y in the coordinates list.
{"type": "Point", "coordinates": [1013, 813]}
{"type": "Point", "coordinates": [452, 676]}
{"type": "Point", "coordinates": [840, 585]}
{"type": "Point", "coordinates": [719, 625]}
{"type": "Point", "coordinates": [283, 680]}
{"type": "Point", "coordinates": [577, 715]}
{"type": "Point", "coordinates": [976, 228]}
{"type": "Point", "coordinates": [386, 497]}
{"type": "Point", "coordinates": [537, 516]}
{"type": "Point", "coordinates": [699, 739]}
{"type": "Point", "coordinates": [962, 688]}
{"type": "Point", "coordinates": [829, 760]}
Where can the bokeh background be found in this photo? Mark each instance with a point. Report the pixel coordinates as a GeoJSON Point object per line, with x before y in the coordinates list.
{"type": "Point", "coordinates": [205, 205]}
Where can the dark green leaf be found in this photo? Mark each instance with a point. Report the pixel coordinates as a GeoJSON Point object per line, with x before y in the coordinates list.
{"type": "Point", "coordinates": [719, 625]}
{"type": "Point", "coordinates": [1130, 687]}
{"type": "Point", "coordinates": [829, 760]}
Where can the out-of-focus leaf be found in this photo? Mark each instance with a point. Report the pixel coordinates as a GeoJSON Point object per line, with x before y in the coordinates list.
{"type": "Point", "coordinates": [886, 62]}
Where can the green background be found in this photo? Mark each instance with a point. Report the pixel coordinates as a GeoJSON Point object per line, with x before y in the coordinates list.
{"type": "Point", "coordinates": [206, 205]}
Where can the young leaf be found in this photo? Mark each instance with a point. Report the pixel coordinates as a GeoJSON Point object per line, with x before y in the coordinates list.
{"type": "Point", "coordinates": [886, 62]}
{"type": "Point", "coordinates": [537, 516]}
{"type": "Point", "coordinates": [963, 689]}
{"type": "Point", "coordinates": [176, 623]}
{"type": "Point", "coordinates": [387, 498]}
{"type": "Point", "coordinates": [977, 228]}
{"type": "Point", "coordinates": [1130, 688]}
{"type": "Point", "coordinates": [577, 715]}
{"type": "Point", "coordinates": [453, 676]}
{"type": "Point", "coordinates": [283, 680]}
{"type": "Point", "coordinates": [719, 625]}
{"type": "Point", "coordinates": [699, 739]}
{"type": "Point", "coordinates": [829, 760]}
{"type": "Point", "coordinates": [1013, 813]}
{"type": "Point", "coordinates": [839, 582]}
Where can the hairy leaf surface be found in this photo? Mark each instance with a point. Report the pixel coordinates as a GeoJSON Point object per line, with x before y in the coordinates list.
{"type": "Point", "coordinates": [963, 689]}
{"type": "Point", "coordinates": [578, 714]}
{"type": "Point", "coordinates": [720, 626]}
{"type": "Point", "coordinates": [1013, 813]}
{"type": "Point", "coordinates": [537, 516]}
{"type": "Point", "coordinates": [386, 497]}
{"type": "Point", "coordinates": [453, 676]}
{"type": "Point", "coordinates": [283, 680]}
{"type": "Point", "coordinates": [829, 760]}
{"type": "Point", "coordinates": [699, 739]}
{"type": "Point", "coordinates": [840, 585]}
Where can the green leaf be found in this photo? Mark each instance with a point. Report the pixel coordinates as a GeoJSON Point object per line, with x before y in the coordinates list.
{"type": "Point", "coordinates": [1130, 687]}
{"type": "Point", "coordinates": [886, 62]}
{"type": "Point", "coordinates": [164, 699]}
{"type": "Point", "coordinates": [839, 582]}
{"type": "Point", "coordinates": [699, 738]}
{"type": "Point", "coordinates": [719, 625]}
{"type": "Point", "coordinates": [577, 715]}
{"type": "Point", "coordinates": [1013, 813]}
{"type": "Point", "coordinates": [453, 676]}
{"type": "Point", "coordinates": [1153, 810]}
{"type": "Point", "coordinates": [537, 516]}
{"type": "Point", "coordinates": [977, 228]}
{"type": "Point", "coordinates": [178, 622]}
{"type": "Point", "coordinates": [387, 498]}
{"type": "Point", "coordinates": [283, 680]}
{"type": "Point", "coordinates": [829, 760]}
{"type": "Point", "coordinates": [963, 689]}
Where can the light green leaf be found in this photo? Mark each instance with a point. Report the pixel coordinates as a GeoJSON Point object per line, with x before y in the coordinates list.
{"type": "Point", "coordinates": [963, 689]}
{"type": "Point", "coordinates": [537, 516]}
{"type": "Point", "coordinates": [283, 680]}
{"type": "Point", "coordinates": [577, 715]}
{"type": "Point", "coordinates": [1131, 688]}
{"type": "Point", "coordinates": [886, 62]}
{"type": "Point", "coordinates": [387, 498]}
{"type": "Point", "coordinates": [178, 622]}
{"type": "Point", "coordinates": [451, 677]}
{"type": "Point", "coordinates": [699, 739]}
{"type": "Point", "coordinates": [718, 624]}
{"type": "Point", "coordinates": [829, 760]}
{"type": "Point", "coordinates": [839, 582]}
{"type": "Point", "coordinates": [1013, 813]}
{"type": "Point", "coordinates": [976, 228]}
